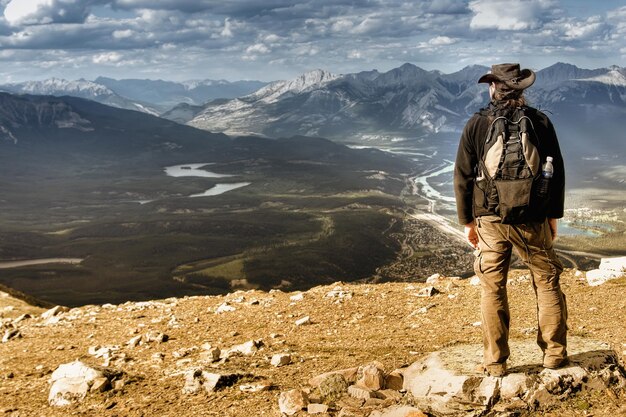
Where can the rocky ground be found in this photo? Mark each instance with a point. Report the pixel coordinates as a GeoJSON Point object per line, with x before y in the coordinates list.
{"type": "Point", "coordinates": [149, 350]}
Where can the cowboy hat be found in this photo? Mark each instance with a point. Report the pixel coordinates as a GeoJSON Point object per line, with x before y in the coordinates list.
{"type": "Point", "coordinates": [510, 75]}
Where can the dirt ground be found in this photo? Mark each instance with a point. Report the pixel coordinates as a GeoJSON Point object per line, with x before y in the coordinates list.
{"type": "Point", "coordinates": [379, 322]}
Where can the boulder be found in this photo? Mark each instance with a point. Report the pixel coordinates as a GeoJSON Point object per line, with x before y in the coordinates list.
{"type": "Point", "coordinates": [281, 359]}
{"type": "Point", "coordinates": [290, 402]}
{"type": "Point", "coordinates": [350, 375]}
{"type": "Point", "coordinates": [371, 376]}
{"type": "Point", "coordinates": [71, 382]}
{"type": "Point", "coordinates": [332, 387]}
{"type": "Point", "coordinates": [446, 383]}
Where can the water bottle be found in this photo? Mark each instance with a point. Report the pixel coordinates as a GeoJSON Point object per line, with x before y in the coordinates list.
{"type": "Point", "coordinates": [547, 171]}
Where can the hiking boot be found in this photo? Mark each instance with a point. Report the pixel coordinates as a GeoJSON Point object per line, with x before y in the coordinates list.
{"type": "Point", "coordinates": [497, 369]}
{"type": "Point", "coordinates": [556, 364]}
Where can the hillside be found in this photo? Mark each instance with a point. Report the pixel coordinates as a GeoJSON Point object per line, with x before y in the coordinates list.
{"type": "Point", "coordinates": [350, 325]}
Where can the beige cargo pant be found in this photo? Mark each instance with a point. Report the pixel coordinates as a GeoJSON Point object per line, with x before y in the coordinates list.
{"type": "Point", "coordinates": [533, 244]}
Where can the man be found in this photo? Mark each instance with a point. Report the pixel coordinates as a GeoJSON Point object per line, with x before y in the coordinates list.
{"type": "Point", "coordinates": [494, 227]}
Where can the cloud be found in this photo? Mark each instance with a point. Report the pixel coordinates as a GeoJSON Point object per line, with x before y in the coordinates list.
{"type": "Point", "coordinates": [107, 58]}
{"type": "Point", "coordinates": [441, 40]}
{"type": "Point", "coordinates": [33, 12]}
{"type": "Point", "coordinates": [510, 14]}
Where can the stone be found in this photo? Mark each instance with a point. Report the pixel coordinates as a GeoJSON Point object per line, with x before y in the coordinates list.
{"type": "Point", "coordinates": [11, 334]}
{"type": "Point", "coordinates": [256, 387]}
{"type": "Point", "coordinates": [360, 392]}
{"type": "Point", "coordinates": [340, 293]}
{"type": "Point", "coordinates": [433, 279]}
{"type": "Point", "coordinates": [613, 264]}
{"type": "Point", "coordinates": [304, 320]}
{"type": "Point", "coordinates": [100, 384]}
{"type": "Point", "coordinates": [513, 385]}
{"type": "Point", "coordinates": [224, 308]}
{"type": "Point", "coordinates": [156, 337]}
{"type": "Point", "coordinates": [389, 394]}
{"type": "Point", "coordinates": [371, 376]}
{"type": "Point", "coordinates": [399, 411]}
{"type": "Point", "coordinates": [281, 359]}
{"type": "Point", "coordinates": [332, 387]}
{"type": "Point", "coordinates": [199, 379]}
{"type": "Point", "coordinates": [22, 318]}
{"type": "Point", "coordinates": [394, 380]}
{"type": "Point", "coordinates": [350, 375]}
{"type": "Point", "coordinates": [119, 384]}
{"type": "Point", "coordinates": [317, 408]}
{"type": "Point", "coordinates": [54, 311]}
{"type": "Point", "coordinates": [427, 292]}
{"type": "Point", "coordinates": [210, 354]}
{"type": "Point", "coordinates": [474, 280]}
{"type": "Point", "coordinates": [248, 348]}
{"type": "Point", "coordinates": [292, 401]}
{"type": "Point", "coordinates": [297, 297]}
{"type": "Point", "coordinates": [135, 341]}
{"type": "Point", "coordinates": [71, 383]}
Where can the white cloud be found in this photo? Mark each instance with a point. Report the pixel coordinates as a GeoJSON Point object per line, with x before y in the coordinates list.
{"type": "Point", "coordinates": [227, 32]}
{"type": "Point", "coordinates": [107, 58]}
{"type": "Point", "coordinates": [32, 12]}
{"type": "Point", "coordinates": [441, 40]}
{"type": "Point", "coordinates": [121, 34]}
{"type": "Point", "coordinates": [257, 48]}
{"type": "Point", "coordinates": [509, 14]}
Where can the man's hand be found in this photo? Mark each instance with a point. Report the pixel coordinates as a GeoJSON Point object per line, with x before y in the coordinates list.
{"type": "Point", "coordinates": [470, 234]}
{"type": "Point", "coordinates": [552, 224]}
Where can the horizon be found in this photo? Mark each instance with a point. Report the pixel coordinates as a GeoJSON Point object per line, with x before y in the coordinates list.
{"type": "Point", "coordinates": [280, 39]}
{"type": "Point", "coordinates": [297, 75]}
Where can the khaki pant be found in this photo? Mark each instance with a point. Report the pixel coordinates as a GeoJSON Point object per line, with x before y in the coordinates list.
{"type": "Point", "coordinates": [533, 244]}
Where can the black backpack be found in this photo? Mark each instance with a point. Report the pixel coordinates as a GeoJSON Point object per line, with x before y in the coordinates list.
{"type": "Point", "coordinates": [509, 169]}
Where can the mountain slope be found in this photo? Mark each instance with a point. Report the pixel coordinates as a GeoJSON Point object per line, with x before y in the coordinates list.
{"type": "Point", "coordinates": [79, 88]}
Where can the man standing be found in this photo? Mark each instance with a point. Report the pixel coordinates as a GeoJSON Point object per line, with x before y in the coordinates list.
{"type": "Point", "coordinates": [509, 185]}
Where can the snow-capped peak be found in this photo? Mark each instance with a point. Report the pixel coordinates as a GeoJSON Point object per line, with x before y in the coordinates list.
{"type": "Point", "coordinates": [59, 85]}
{"type": "Point", "coordinates": [307, 81]}
{"type": "Point", "coordinates": [612, 77]}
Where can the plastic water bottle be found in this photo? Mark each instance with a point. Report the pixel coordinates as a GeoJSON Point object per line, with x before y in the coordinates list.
{"type": "Point", "coordinates": [547, 171]}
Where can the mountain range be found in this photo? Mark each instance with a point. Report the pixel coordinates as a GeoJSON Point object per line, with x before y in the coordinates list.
{"type": "Point", "coordinates": [148, 96]}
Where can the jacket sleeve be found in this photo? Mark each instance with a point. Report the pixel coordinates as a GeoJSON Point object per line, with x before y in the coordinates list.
{"type": "Point", "coordinates": [464, 172]}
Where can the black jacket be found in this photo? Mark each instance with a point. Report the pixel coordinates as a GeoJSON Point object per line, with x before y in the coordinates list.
{"type": "Point", "coordinates": [471, 148]}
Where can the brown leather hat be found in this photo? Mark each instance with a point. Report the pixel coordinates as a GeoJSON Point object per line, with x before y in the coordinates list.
{"type": "Point", "coordinates": [510, 75]}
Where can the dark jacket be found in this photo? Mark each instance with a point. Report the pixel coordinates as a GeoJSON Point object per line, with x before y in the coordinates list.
{"type": "Point", "coordinates": [471, 148]}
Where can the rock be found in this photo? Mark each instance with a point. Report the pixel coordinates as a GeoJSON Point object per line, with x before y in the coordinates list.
{"type": "Point", "coordinates": [613, 264]}
{"type": "Point", "coordinates": [350, 375]}
{"type": "Point", "coordinates": [433, 279]}
{"type": "Point", "coordinates": [135, 341]}
{"type": "Point", "coordinates": [257, 387]}
{"type": "Point", "coordinates": [317, 408]}
{"type": "Point", "coordinates": [71, 382]}
{"type": "Point", "coordinates": [371, 376]}
{"type": "Point", "coordinates": [394, 380]}
{"type": "Point", "coordinates": [399, 411]}
{"type": "Point", "coordinates": [209, 353]}
{"type": "Point", "coordinates": [304, 320]}
{"type": "Point", "coordinates": [340, 293]}
{"type": "Point", "coordinates": [156, 337]}
{"type": "Point", "coordinates": [290, 402]}
{"type": "Point", "coordinates": [119, 385]}
{"type": "Point", "coordinates": [281, 359]}
{"type": "Point", "coordinates": [360, 392]}
{"type": "Point", "coordinates": [444, 382]}
{"type": "Point", "coordinates": [22, 318]}
{"type": "Point", "coordinates": [224, 308]}
{"type": "Point", "coordinates": [597, 277]}
{"type": "Point", "coordinates": [427, 292]}
{"type": "Point", "coordinates": [389, 394]}
{"type": "Point", "coordinates": [248, 348]}
{"type": "Point", "coordinates": [332, 387]}
{"type": "Point", "coordinates": [199, 379]}
{"type": "Point", "coordinates": [54, 311]}
{"type": "Point", "coordinates": [474, 280]}
{"type": "Point", "coordinates": [100, 384]}
{"type": "Point", "coordinates": [11, 334]}
{"type": "Point", "coordinates": [297, 297]}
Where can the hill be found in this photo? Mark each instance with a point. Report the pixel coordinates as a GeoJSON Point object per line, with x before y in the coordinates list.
{"type": "Point", "coordinates": [350, 325]}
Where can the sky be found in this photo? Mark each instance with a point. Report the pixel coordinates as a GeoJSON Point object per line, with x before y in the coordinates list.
{"type": "Point", "coordinates": [277, 39]}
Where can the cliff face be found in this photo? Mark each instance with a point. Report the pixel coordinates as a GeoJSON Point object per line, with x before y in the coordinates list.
{"type": "Point", "coordinates": [148, 349]}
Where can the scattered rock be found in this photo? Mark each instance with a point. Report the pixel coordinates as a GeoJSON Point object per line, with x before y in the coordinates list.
{"type": "Point", "coordinates": [22, 318]}
{"type": "Point", "coordinates": [199, 379]}
{"type": "Point", "coordinates": [224, 308]}
{"type": "Point", "coordinates": [135, 341]}
{"type": "Point", "coordinates": [11, 334]}
{"type": "Point", "coordinates": [474, 280]}
{"type": "Point", "coordinates": [427, 292]}
{"type": "Point", "coordinates": [71, 382]}
{"type": "Point", "coordinates": [290, 402]}
{"type": "Point", "coordinates": [210, 353]}
{"type": "Point", "coordinates": [317, 408]}
{"type": "Point", "coordinates": [297, 297]}
{"type": "Point", "coordinates": [256, 387]}
{"type": "Point", "coordinates": [156, 337]}
{"type": "Point", "coordinates": [281, 359]}
{"type": "Point", "coordinates": [357, 391]}
{"type": "Point", "coordinates": [433, 279]}
{"type": "Point", "coordinates": [371, 376]}
{"type": "Point", "coordinates": [100, 384]}
{"type": "Point", "coordinates": [349, 374]}
{"type": "Point", "coordinates": [54, 311]}
{"type": "Point", "coordinates": [332, 387]}
{"type": "Point", "coordinates": [304, 320]}
{"type": "Point", "coordinates": [339, 293]}
{"type": "Point", "coordinates": [248, 348]}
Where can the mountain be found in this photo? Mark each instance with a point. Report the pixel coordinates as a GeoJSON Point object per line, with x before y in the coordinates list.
{"type": "Point", "coordinates": [167, 94]}
{"type": "Point", "coordinates": [407, 101]}
{"type": "Point", "coordinates": [79, 88]}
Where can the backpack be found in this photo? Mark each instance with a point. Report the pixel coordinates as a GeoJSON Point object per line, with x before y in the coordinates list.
{"type": "Point", "coordinates": [509, 168]}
